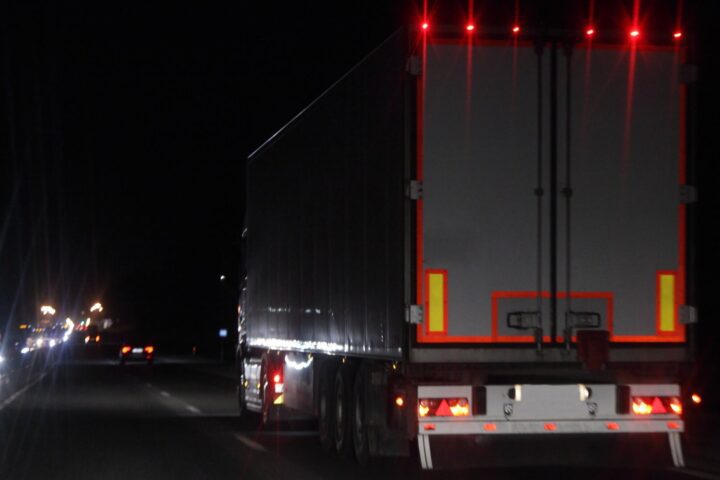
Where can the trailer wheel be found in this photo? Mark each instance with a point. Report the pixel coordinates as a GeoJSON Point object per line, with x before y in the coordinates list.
{"type": "Point", "coordinates": [326, 408]}
{"type": "Point", "coordinates": [343, 410]}
{"type": "Point", "coordinates": [359, 424]}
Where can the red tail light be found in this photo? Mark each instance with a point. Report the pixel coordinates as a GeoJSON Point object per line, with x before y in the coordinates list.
{"type": "Point", "coordinates": [277, 378]}
{"type": "Point", "coordinates": [634, 33]}
{"type": "Point", "coordinates": [590, 31]}
{"type": "Point", "coordinates": [656, 405]}
{"type": "Point", "coordinates": [470, 27]}
{"type": "Point", "coordinates": [425, 26]}
{"type": "Point", "coordinates": [126, 349]}
{"type": "Point", "coordinates": [516, 29]}
{"type": "Point", "coordinates": [677, 35]}
{"type": "Point", "coordinates": [149, 349]}
{"type": "Point", "coordinates": [443, 407]}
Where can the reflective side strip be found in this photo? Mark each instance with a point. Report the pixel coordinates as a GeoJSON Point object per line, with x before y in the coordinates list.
{"type": "Point", "coordinates": [666, 305]}
{"type": "Point", "coordinates": [436, 301]}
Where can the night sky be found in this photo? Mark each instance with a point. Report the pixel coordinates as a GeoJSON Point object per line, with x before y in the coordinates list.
{"type": "Point", "coordinates": [125, 127]}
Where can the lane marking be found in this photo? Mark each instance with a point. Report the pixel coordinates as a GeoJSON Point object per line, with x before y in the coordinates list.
{"type": "Point", "coordinates": [164, 393]}
{"type": "Point", "coordinates": [250, 443]}
{"type": "Point", "coordinates": [17, 394]}
{"type": "Point", "coordinates": [194, 410]}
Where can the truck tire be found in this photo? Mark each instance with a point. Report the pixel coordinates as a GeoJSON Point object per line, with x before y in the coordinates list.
{"type": "Point", "coordinates": [359, 417]}
{"type": "Point", "coordinates": [326, 408]}
{"type": "Point", "coordinates": [343, 410]}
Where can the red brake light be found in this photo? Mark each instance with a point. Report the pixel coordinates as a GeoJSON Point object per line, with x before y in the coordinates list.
{"type": "Point", "coordinates": [425, 26]}
{"type": "Point", "coordinates": [656, 405]}
{"type": "Point", "coordinates": [516, 29]}
{"type": "Point", "coordinates": [677, 35]}
{"type": "Point", "coordinates": [676, 406]}
{"type": "Point", "coordinates": [590, 31]}
{"type": "Point", "coordinates": [634, 33]}
{"type": "Point", "coordinates": [470, 27]}
{"type": "Point", "coordinates": [277, 378]}
{"type": "Point", "coordinates": [126, 349]}
{"type": "Point", "coordinates": [444, 407]}
{"type": "Point", "coordinates": [149, 349]}
{"type": "Point", "coordinates": [639, 407]}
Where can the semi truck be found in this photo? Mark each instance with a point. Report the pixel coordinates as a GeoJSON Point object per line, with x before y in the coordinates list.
{"type": "Point", "coordinates": [478, 237]}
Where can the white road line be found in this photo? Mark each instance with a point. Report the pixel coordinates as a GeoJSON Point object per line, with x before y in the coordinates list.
{"type": "Point", "coordinates": [194, 410]}
{"type": "Point", "coordinates": [17, 394]}
{"type": "Point", "coordinates": [695, 473]}
{"type": "Point", "coordinates": [250, 443]}
{"type": "Point", "coordinates": [164, 393]}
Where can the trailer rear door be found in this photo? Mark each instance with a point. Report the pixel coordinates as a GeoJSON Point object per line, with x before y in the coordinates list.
{"type": "Point", "coordinates": [551, 184]}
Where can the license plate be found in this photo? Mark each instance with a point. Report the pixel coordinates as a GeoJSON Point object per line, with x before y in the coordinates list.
{"type": "Point", "coordinates": [137, 350]}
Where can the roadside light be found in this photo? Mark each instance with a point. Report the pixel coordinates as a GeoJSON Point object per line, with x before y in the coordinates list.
{"type": "Point", "coordinates": [399, 401]}
{"type": "Point", "coordinates": [697, 399]}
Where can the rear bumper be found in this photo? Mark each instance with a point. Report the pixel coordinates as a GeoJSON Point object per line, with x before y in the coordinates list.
{"type": "Point", "coordinates": [485, 426]}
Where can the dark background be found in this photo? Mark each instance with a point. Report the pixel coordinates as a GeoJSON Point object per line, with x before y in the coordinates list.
{"type": "Point", "coordinates": [124, 127]}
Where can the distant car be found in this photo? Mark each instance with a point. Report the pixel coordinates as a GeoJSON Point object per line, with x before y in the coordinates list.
{"type": "Point", "coordinates": [136, 351]}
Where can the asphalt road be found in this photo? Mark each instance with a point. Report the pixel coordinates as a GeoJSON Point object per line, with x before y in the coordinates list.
{"type": "Point", "coordinates": [93, 419]}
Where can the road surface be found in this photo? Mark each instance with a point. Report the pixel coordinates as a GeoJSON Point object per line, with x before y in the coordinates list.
{"type": "Point", "coordinates": [90, 418]}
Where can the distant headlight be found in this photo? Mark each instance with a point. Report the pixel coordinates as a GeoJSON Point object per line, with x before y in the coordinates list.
{"type": "Point", "coordinates": [2, 359]}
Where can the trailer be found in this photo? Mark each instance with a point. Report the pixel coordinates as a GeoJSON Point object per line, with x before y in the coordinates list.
{"type": "Point", "coordinates": [477, 237]}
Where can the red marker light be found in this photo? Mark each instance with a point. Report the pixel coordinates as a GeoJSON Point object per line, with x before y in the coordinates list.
{"type": "Point", "coordinates": [429, 427]}
{"type": "Point", "coordinates": [677, 35]}
{"type": "Point", "coordinates": [399, 401]}
{"type": "Point", "coordinates": [550, 427]}
{"type": "Point", "coordinates": [590, 31]}
{"type": "Point", "coordinates": [425, 26]}
{"type": "Point", "coordinates": [470, 27]}
{"type": "Point", "coordinates": [612, 426]}
{"type": "Point", "coordinates": [516, 29]}
{"type": "Point", "coordinates": [490, 427]}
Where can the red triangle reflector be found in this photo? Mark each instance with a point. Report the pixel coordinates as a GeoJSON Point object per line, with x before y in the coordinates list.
{"type": "Point", "coordinates": [443, 410]}
{"type": "Point", "coordinates": [658, 407]}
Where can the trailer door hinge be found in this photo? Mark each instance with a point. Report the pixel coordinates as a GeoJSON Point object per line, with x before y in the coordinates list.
{"type": "Point", "coordinates": [414, 314]}
{"type": "Point", "coordinates": [414, 190]}
{"type": "Point", "coordinates": [687, 314]}
{"type": "Point", "coordinates": [414, 66]}
{"type": "Point", "coordinates": [688, 194]}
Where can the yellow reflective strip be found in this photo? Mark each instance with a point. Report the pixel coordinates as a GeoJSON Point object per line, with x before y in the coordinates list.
{"type": "Point", "coordinates": [279, 400]}
{"type": "Point", "coordinates": [667, 303]}
{"type": "Point", "coordinates": [436, 302]}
